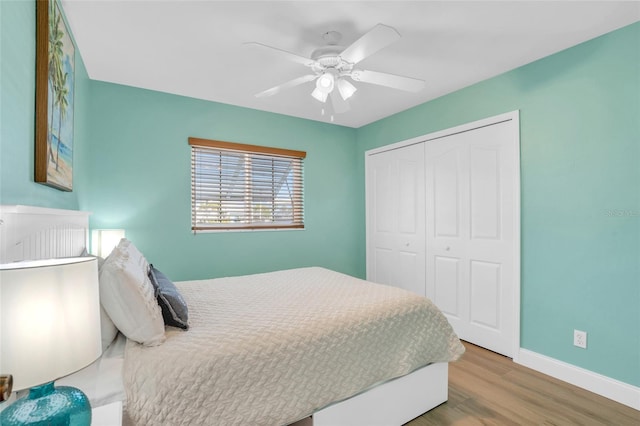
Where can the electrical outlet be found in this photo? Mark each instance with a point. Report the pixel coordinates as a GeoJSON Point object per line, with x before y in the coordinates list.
{"type": "Point", "coordinates": [580, 339]}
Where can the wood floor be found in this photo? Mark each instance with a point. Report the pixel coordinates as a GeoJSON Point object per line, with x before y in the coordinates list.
{"type": "Point", "coordinates": [488, 389]}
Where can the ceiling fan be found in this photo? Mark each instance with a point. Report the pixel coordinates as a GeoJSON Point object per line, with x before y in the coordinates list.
{"type": "Point", "coordinates": [333, 64]}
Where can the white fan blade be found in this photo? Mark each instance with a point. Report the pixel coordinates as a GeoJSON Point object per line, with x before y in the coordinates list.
{"type": "Point", "coordinates": [287, 55]}
{"type": "Point", "coordinates": [377, 38]}
{"type": "Point", "coordinates": [289, 84]}
{"type": "Point", "coordinates": [339, 105]}
{"type": "Point", "coordinates": [389, 80]}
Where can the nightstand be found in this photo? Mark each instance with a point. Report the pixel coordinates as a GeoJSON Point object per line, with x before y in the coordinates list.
{"type": "Point", "coordinates": [107, 415]}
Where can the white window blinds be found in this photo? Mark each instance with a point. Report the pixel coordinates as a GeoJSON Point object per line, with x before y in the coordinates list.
{"type": "Point", "coordinates": [237, 186]}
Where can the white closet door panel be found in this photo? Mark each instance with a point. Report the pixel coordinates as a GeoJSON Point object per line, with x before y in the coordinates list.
{"type": "Point", "coordinates": [407, 274]}
{"type": "Point", "coordinates": [470, 187]}
{"type": "Point", "coordinates": [395, 218]}
{"type": "Point", "coordinates": [446, 167]}
{"type": "Point", "coordinates": [485, 192]}
{"type": "Point", "coordinates": [383, 264]}
{"type": "Point", "coordinates": [447, 281]}
{"type": "Point", "coordinates": [408, 194]}
{"type": "Point", "coordinates": [485, 294]}
{"type": "Point", "coordinates": [384, 197]}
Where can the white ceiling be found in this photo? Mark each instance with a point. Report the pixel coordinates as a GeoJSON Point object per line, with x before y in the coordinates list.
{"type": "Point", "coordinates": [195, 48]}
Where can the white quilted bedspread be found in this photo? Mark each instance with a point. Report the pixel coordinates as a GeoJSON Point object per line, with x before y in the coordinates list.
{"type": "Point", "coordinates": [270, 349]}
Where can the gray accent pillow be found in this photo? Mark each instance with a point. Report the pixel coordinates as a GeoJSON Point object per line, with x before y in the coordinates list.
{"type": "Point", "coordinates": [174, 309]}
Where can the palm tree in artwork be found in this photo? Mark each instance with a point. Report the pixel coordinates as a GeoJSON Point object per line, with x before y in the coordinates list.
{"type": "Point", "coordinates": [55, 68]}
{"type": "Point", "coordinates": [61, 101]}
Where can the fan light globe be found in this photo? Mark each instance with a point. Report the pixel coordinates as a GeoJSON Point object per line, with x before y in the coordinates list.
{"type": "Point", "coordinates": [319, 95]}
{"type": "Point", "coordinates": [325, 82]}
{"type": "Point", "coordinates": [346, 89]}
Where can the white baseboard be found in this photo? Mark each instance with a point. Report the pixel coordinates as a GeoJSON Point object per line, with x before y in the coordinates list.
{"type": "Point", "coordinates": [615, 390]}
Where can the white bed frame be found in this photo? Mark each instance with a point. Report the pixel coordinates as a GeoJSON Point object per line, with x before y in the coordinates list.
{"type": "Point", "coordinates": [392, 403]}
{"type": "Point", "coordinates": [28, 233]}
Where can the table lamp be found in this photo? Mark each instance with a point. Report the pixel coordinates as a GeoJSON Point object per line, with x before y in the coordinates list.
{"type": "Point", "coordinates": [49, 328]}
{"type": "Point", "coordinates": [103, 241]}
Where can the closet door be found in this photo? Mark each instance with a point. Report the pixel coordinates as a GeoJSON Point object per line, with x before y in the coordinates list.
{"type": "Point", "coordinates": [396, 218]}
{"type": "Point", "coordinates": [471, 182]}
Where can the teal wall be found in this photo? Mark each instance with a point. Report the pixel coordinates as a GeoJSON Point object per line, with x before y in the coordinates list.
{"type": "Point", "coordinates": [17, 112]}
{"type": "Point", "coordinates": [580, 153]}
{"type": "Point", "coordinates": [580, 166]}
{"type": "Point", "coordinates": [139, 180]}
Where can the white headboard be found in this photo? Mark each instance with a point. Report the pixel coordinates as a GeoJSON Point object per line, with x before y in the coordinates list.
{"type": "Point", "coordinates": [29, 233]}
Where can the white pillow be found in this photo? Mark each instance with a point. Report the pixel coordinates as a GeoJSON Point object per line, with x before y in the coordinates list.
{"type": "Point", "coordinates": [128, 297]}
{"type": "Point", "coordinates": [107, 328]}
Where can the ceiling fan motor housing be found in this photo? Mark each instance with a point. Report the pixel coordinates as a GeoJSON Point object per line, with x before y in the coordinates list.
{"type": "Point", "coordinates": [329, 57]}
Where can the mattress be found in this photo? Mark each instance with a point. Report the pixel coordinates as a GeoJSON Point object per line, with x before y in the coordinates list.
{"type": "Point", "coordinates": [270, 349]}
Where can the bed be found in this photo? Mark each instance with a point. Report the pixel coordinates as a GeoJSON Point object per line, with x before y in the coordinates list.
{"type": "Point", "coordinates": [307, 344]}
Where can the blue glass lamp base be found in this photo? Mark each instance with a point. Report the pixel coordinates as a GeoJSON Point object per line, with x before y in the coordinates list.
{"type": "Point", "coordinates": [49, 405]}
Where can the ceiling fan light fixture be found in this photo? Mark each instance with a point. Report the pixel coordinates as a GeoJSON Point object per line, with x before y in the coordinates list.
{"type": "Point", "coordinates": [346, 89]}
{"type": "Point", "coordinates": [326, 82]}
{"type": "Point", "coordinates": [320, 95]}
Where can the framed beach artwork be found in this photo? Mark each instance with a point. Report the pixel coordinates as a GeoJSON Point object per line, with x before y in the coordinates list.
{"type": "Point", "coordinates": [55, 78]}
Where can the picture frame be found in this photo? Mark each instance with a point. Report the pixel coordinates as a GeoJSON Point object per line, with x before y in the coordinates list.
{"type": "Point", "coordinates": [54, 100]}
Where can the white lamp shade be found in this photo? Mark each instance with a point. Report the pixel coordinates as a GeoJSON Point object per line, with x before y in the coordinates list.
{"type": "Point", "coordinates": [346, 89]}
{"type": "Point", "coordinates": [319, 95]}
{"type": "Point", "coordinates": [325, 82]}
{"type": "Point", "coordinates": [103, 241]}
{"type": "Point", "coordinates": [49, 319]}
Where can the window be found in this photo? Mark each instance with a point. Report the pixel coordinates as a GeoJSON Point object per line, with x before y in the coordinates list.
{"type": "Point", "coordinates": [237, 186]}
